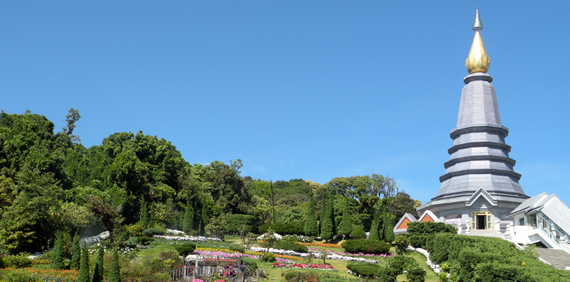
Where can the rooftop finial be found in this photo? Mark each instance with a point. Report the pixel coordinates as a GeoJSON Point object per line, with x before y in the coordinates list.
{"type": "Point", "coordinates": [477, 24]}
{"type": "Point", "coordinates": [478, 61]}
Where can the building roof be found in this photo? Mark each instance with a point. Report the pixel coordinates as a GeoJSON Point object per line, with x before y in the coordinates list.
{"type": "Point", "coordinates": [430, 214]}
{"type": "Point", "coordinates": [407, 216]}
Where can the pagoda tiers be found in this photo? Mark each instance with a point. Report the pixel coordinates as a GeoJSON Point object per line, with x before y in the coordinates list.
{"type": "Point", "coordinates": [479, 187]}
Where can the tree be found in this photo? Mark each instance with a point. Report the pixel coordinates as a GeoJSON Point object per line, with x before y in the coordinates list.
{"type": "Point", "coordinates": [75, 253]}
{"type": "Point", "coordinates": [188, 215]}
{"type": "Point", "coordinates": [389, 232]}
{"type": "Point", "coordinates": [374, 229]}
{"type": "Point", "coordinates": [327, 229]}
{"type": "Point", "coordinates": [114, 272]}
{"type": "Point", "coordinates": [151, 216]}
{"type": "Point", "coordinates": [311, 228]}
{"type": "Point", "coordinates": [57, 256]}
{"type": "Point", "coordinates": [346, 223]}
{"type": "Point", "coordinates": [71, 118]}
{"type": "Point", "coordinates": [98, 270]}
{"type": "Point", "coordinates": [358, 233]}
{"type": "Point", "coordinates": [143, 217]}
{"type": "Point", "coordinates": [83, 275]}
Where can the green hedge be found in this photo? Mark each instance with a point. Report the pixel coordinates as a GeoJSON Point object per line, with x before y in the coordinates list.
{"type": "Point", "coordinates": [430, 228]}
{"type": "Point", "coordinates": [364, 269]}
{"type": "Point", "coordinates": [491, 259]}
{"type": "Point", "coordinates": [235, 221]}
{"type": "Point", "coordinates": [284, 228]}
{"type": "Point", "coordinates": [291, 246]}
{"type": "Point", "coordinates": [149, 232]}
{"type": "Point", "coordinates": [366, 246]}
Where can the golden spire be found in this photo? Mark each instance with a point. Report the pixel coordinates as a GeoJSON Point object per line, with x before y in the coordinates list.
{"type": "Point", "coordinates": [478, 61]}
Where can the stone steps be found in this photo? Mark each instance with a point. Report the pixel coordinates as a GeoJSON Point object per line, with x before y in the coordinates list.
{"type": "Point", "coordinates": [558, 258]}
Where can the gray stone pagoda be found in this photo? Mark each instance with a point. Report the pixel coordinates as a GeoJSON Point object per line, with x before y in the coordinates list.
{"type": "Point", "coordinates": [480, 186]}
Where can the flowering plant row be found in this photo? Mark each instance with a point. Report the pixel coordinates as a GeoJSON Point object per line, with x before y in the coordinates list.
{"type": "Point", "coordinates": [298, 238]}
{"type": "Point", "coordinates": [224, 254]}
{"type": "Point", "coordinates": [188, 238]}
{"type": "Point", "coordinates": [322, 245]}
{"type": "Point", "coordinates": [127, 252]}
{"type": "Point", "coordinates": [315, 250]}
{"type": "Point", "coordinates": [304, 265]}
{"type": "Point", "coordinates": [228, 251]}
{"type": "Point", "coordinates": [314, 255]}
{"type": "Point", "coordinates": [287, 257]}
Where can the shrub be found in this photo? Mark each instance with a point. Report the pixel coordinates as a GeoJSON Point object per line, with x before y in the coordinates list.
{"type": "Point", "coordinates": [236, 248]}
{"type": "Point", "coordinates": [417, 274]}
{"type": "Point", "coordinates": [185, 249]}
{"type": "Point", "coordinates": [358, 233]}
{"type": "Point", "coordinates": [401, 263]}
{"type": "Point", "coordinates": [144, 240]}
{"type": "Point", "coordinates": [364, 269]}
{"type": "Point", "coordinates": [500, 272]}
{"type": "Point", "coordinates": [17, 261]}
{"type": "Point", "coordinates": [430, 228]}
{"type": "Point", "coordinates": [297, 276]}
{"type": "Point", "coordinates": [235, 221]}
{"type": "Point", "coordinates": [366, 246]}
{"type": "Point", "coordinates": [250, 263]}
{"type": "Point", "coordinates": [269, 257]}
{"type": "Point", "coordinates": [387, 274]}
{"type": "Point", "coordinates": [291, 246]}
{"type": "Point", "coordinates": [402, 243]}
{"type": "Point", "coordinates": [149, 232]}
{"type": "Point", "coordinates": [57, 257]}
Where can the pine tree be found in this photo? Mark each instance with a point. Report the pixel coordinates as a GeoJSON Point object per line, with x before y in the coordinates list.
{"type": "Point", "coordinates": [358, 232]}
{"type": "Point", "coordinates": [114, 272]}
{"type": "Point", "coordinates": [83, 275]}
{"type": "Point", "coordinates": [389, 232]}
{"type": "Point", "coordinates": [75, 253]}
{"type": "Point", "coordinates": [374, 229]}
{"type": "Point", "coordinates": [188, 216]}
{"type": "Point", "coordinates": [327, 220]}
{"type": "Point", "coordinates": [346, 223]}
{"type": "Point", "coordinates": [151, 216]}
{"type": "Point", "coordinates": [330, 213]}
{"type": "Point", "coordinates": [311, 228]}
{"type": "Point", "coordinates": [57, 256]}
{"type": "Point", "coordinates": [98, 270]}
{"type": "Point", "coordinates": [143, 218]}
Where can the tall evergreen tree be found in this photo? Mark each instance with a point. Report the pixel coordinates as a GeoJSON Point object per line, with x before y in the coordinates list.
{"type": "Point", "coordinates": [114, 272]}
{"type": "Point", "coordinates": [346, 223]}
{"type": "Point", "coordinates": [330, 213]}
{"type": "Point", "coordinates": [389, 231]}
{"type": "Point", "coordinates": [75, 253]}
{"type": "Point", "coordinates": [57, 255]}
{"type": "Point", "coordinates": [143, 218]}
{"type": "Point", "coordinates": [83, 275]}
{"type": "Point", "coordinates": [188, 215]}
{"type": "Point", "coordinates": [374, 229]}
{"type": "Point", "coordinates": [311, 228]}
{"type": "Point", "coordinates": [98, 270]}
{"type": "Point", "coordinates": [327, 229]}
{"type": "Point", "coordinates": [151, 219]}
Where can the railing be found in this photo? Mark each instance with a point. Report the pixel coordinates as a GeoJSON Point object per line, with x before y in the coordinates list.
{"type": "Point", "coordinates": [202, 272]}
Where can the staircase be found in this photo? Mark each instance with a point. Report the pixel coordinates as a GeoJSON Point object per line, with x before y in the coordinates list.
{"type": "Point", "coordinates": [558, 258]}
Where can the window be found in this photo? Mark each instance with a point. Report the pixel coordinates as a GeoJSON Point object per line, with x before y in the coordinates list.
{"type": "Point", "coordinates": [521, 221]}
{"type": "Point", "coordinates": [532, 220]}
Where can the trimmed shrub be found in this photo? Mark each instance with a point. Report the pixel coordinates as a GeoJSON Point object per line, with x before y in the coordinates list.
{"type": "Point", "coordinates": [149, 232]}
{"type": "Point", "coordinates": [402, 243]}
{"type": "Point", "coordinates": [358, 233]}
{"type": "Point", "coordinates": [250, 263]}
{"type": "Point", "coordinates": [387, 274]}
{"type": "Point", "coordinates": [269, 257]}
{"type": "Point", "coordinates": [236, 248]}
{"type": "Point", "coordinates": [430, 228]}
{"type": "Point", "coordinates": [364, 269]}
{"type": "Point", "coordinates": [491, 271]}
{"type": "Point", "coordinates": [75, 254]}
{"type": "Point", "coordinates": [291, 246]}
{"type": "Point", "coordinates": [417, 274]}
{"type": "Point", "coordinates": [366, 246]}
{"type": "Point", "coordinates": [144, 240]}
{"type": "Point", "coordinates": [57, 256]}
{"type": "Point", "coordinates": [235, 221]}
{"type": "Point", "coordinates": [185, 249]}
{"type": "Point", "coordinates": [401, 263]}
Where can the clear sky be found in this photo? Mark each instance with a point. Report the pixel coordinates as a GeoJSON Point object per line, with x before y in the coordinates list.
{"type": "Point", "coordinates": [296, 89]}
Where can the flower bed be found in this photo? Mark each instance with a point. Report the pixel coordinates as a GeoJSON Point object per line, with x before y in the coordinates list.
{"type": "Point", "coordinates": [43, 274]}
{"type": "Point", "coordinates": [288, 257]}
{"type": "Point", "coordinates": [304, 266]}
{"type": "Point", "coordinates": [315, 250]}
{"type": "Point", "coordinates": [224, 254]}
{"type": "Point", "coordinates": [187, 238]}
{"type": "Point", "coordinates": [314, 255]}
{"type": "Point", "coordinates": [227, 251]}
{"type": "Point", "coordinates": [321, 245]}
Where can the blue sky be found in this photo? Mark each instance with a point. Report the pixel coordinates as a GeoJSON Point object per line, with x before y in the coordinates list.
{"type": "Point", "coordinates": [296, 89]}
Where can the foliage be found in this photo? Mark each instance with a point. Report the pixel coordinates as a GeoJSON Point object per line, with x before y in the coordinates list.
{"type": "Point", "coordinates": [388, 274]}
{"type": "Point", "coordinates": [98, 270]}
{"type": "Point", "coordinates": [149, 232]}
{"type": "Point", "coordinates": [269, 257]}
{"type": "Point", "coordinates": [283, 228]}
{"type": "Point", "coordinates": [366, 246]}
{"type": "Point", "coordinates": [364, 269]}
{"type": "Point", "coordinates": [16, 261]}
{"type": "Point", "coordinates": [297, 276]}
{"type": "Point", "coordinates": [402, 243]}
{"type": "Point", "coordinates": [185, 249]}
{"type": "Point", "coordinates": [327, 218]}
{"type": "Point", "coordinates": [250, 263]}
{"type": "Point", "coordinates": [75, 254]}
{"type": "Point", "coordinates": [401, 263]}
{"type": "Point", "coordinates": [430, 228]}
{"type": "Point", "coordinates": [389, 232]}
{"type": "Point", "coordinates": [346, 223]}
{"type": "Point", "coordinates": [311, 228]}
{"type": "Point", "coordinates": [114, 271]}
{"type": "Point", "coordinates": [235, 221]}
{"type": "Point", "coordinates": [358, 233]}
{"type": "Point", "coordinates": [291, 246]}
{"type": "Point", "coordinates": [83, 275]}
{"type": "Point", "coordinates": [217, 227]}
{"type": "Point", "coordinates": [57, 257]}
{"type": "Point", "coordinates": [415, 273]}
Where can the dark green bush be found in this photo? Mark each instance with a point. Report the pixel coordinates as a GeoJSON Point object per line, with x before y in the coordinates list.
{"type": "Point", "coordinates": [430, 228]}
{"type": "Point", "coordinates": [269, 257]}
{"type": "Point", "coordinates": [250, 263]}
{"type": "Point", "coordinates": [491, 271]}
{"type": "Point", "coordinates": [415, 273]}
{"type": "Point", "coordinates": [366, 246]}
{"type": "Point", "coordinates": [358, 233]}
{"type": "Point", "coordinates": [297, 276]}
{"type": "Point", "coordinates": [16, 261]}
{"type": "Point", "coordinates": [291, 246]}
{"type": "Point", "coordinates": [387, 274]}
{"type": "Point", "coordinates": [149, 232]}
{"type": "Point", "coordinates": [401, 263]}
{"type": "Point", "coordinates": [236, 248]}
{"type": "Point", "coordinates": [364, 269]}
{"type": "Point", "coordinates": [402, 243]}
{"type": "Point", "coordinates": [185, 249]}
{"type": "Point", "coordinates": [235, 221]}
{"type": "Point", "coordinates": [144, 240]}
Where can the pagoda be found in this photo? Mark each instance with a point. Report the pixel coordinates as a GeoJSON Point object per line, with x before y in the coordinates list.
{"type": "Point", "coordinates": [480, 186]}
